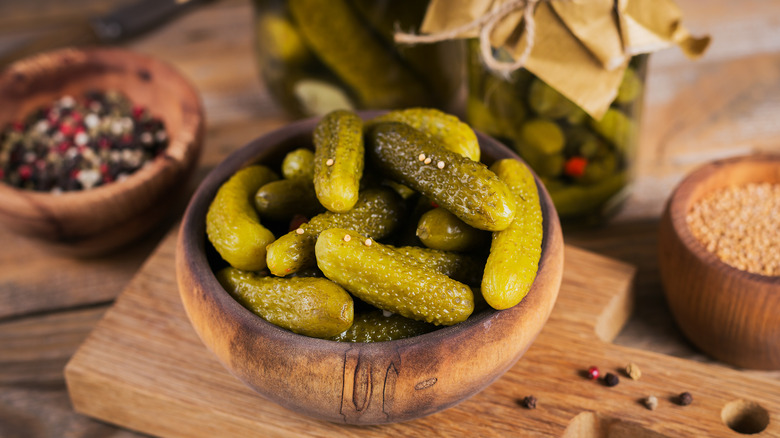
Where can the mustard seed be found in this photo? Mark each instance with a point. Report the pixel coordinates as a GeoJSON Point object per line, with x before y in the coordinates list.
{"type": "Point", "coordinates": [633, 371]}
{"type": "Point", "coordinates": [651, 402]}
{"type": "Point", "coordinates": [739, 225]}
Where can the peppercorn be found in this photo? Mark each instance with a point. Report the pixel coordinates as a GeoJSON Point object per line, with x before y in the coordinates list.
{"type": "Point", "coordinates": [611, 379]}
{"type": "Point", "coordinates": [651, 402]}
{"type": "Point", "coordinates": [593, 373]}
{"type": "Point", "coordinates": [79, 144]}
{"type": "Point", "coordinates": [529, 402]}
{"type": "Point", "coordinates": [685, 399]}
{"type": "Point", "coordinates": [633, 371]}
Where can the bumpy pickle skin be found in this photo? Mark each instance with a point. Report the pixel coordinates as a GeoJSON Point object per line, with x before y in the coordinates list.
{"type": "Point", "coordinates": [299, 164]}
{"type": "Point", "coordinates": [309, 306]}
{"type": "Point", "coordinates": [460, 267]}
{"type": "Point", "coordinates": [343, 42]}
{"type": "Point", "coordinates": [280, 200]}
{"type": "Point", "coordinates": [376, 214]}
{"type": "Point", "coordinates": [338, 160]}
{"type": "Point", "coordinates": [447, 129]}
{"type": "Point", "coordinates": [511, 267]}
{"type": "Point", "coordinates": [461, 185]}
{"type": "Point", "coordinates": [374, 326]}
{"type": "Point", "coordinates": [440, 229]}
{"type": "Point", "coordinates": [232, 224]}
{"type": "Point", "coordinates": [390, 281]}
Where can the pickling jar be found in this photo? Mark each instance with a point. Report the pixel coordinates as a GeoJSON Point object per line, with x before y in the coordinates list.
{"type": "Point", "coordinates": [317, 56]}
{"type": "Point", "coordinates": [586, 164]}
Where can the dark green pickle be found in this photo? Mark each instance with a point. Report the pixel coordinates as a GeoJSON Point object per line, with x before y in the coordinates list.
{"type": "Point", "coordinates": [440, 229]}
{"type": "Point", "coordinates": [586, 164]}
{"type": "Point", "coordinates": [280, 200]}
{"type": "Point", "coordinates": [463, 186]}
{"type": "Point", "coordinates": [378, 326]}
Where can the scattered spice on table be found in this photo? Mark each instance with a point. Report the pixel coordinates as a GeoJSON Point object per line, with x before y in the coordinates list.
{"type": "Point", "coordinates": [611, 379]}
{"type": "Point", "coordinates": [685, 399]}
{"type": "Point", "coordinates": [739, 225]}
{"type": "Point", "coordinates": [529, 402]}
{"type": "Point", "coordinates": [651, 402]}
{"type": "Point", "coordinates": [77, 144]}
{"type": "Point", "coordinates": [633, 371]}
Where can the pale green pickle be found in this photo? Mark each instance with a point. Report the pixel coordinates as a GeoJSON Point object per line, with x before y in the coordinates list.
{"type": "Point", "coordinates": [232, 224]}
{"type": "Point", "coordinates": [315, 307]}
{"type": "Point", "coordinates": [390, 281]}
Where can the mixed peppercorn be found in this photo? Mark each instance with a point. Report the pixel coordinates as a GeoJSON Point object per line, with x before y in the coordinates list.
{"type": "Point", "coordinates": [76, 144]}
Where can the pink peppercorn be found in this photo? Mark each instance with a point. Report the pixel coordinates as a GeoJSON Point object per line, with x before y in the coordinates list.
{"type": "Point", "coordinates": [593, 373]}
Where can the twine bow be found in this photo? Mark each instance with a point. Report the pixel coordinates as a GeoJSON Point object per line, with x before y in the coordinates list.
{"type": "Point", "coordinates": [486, 24]}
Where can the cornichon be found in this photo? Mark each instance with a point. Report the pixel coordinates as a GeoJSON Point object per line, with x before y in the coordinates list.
{"type": "Point", "coordinates": [461, 185]}
{"type": "Point", "coordinates": [375, 326]}
{"type": "Point", "coordinates": [232, 224]}
{"type": "Point", "coordinates": [511, 267]}
{"type": "Point", "coordinates": [299, 164]}
{"type": "Point", "coordinates": [460, 267]}
{"type": "Point", "coordinates": [338, 160]}
{"type": "Point", "coordinates": [348, 47]}
{"type": "Point", "coordinates": [376, 214]}
{"type": "Point", "coordinates": [440, 229]}
{"type": "Point", "coordinates": [390, 281]}
{"type": "Point", "coordinates": [280, 200]}
{"type": "Point", "coordinates": [310, 306]}
{"type": "Point", "coordinates": [447, 129]}
{"type": "Point", "coordinates": [579, 200]}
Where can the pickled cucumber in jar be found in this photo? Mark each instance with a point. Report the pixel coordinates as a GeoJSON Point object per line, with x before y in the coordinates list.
{"type": "Point", "coordinates": [585, 163]}
{"type": "Point", "coordinates": [316, 57]}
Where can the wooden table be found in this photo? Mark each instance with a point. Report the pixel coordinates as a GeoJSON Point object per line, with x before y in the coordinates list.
{"type": "Point", "coordinates": [726, 104]}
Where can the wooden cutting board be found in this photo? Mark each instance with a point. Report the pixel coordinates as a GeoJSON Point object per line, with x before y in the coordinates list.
{"type": "Point", "coordinates": [144, 368]}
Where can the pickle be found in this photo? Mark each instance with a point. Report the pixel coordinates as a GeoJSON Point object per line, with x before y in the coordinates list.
{"type": "Point", "coordinates": [616, 127]}
{"type": "Point", "coordinates": [280, 200]}
{"type": "Point", "coordinates": [338, 160]}
{"type": "Point", "coordinates": [376, 214]}
{"type": "Point", "coordinates": [580, 200]}
{"type": "Point", "coordinates": [281, 40]}
{"type": "Point", "coordinates": [453, 134]}
{"type": "Point", "coordinates": [460, 267]}
{"type": "Point", "coordinates": [547, 102]}
{"type": "Point", "coordinates": [511, 267]}
{"type": "Point", "coordinates": [403, 191]}
{"type": "Point", "coordinates": [299, 164]}
{"type": "Point", "coordinates": [440, 229]}
{"type": "Point", "coordinates": [314, 307]}
{"type": "Point", "coordinates": [542, 135]}
{"type": "Point", "coordinates": [315, 97]}
{"type": "Point", "coordinates": [375, 326]}
{"type": "Point", "coordinates": [630, 88]}
{"type": "Point", "coordinates": [598, 169]}
{"type": "Point", "coordinates": [391, 281]}
{"type": "Point", "coordinates": [348, 47]}
{"type": "Point", "coordinates": [232, 224]}
{"type": "Point", "coordinates": [463, 186]}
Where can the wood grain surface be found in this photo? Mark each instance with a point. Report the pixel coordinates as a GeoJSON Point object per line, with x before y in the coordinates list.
{"type": "Point", "coordinates": [145, 358]}
{"type": "Point", "coordinates": [724, 104]}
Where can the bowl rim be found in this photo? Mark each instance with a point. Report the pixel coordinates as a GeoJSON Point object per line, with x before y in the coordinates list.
{"type": "Point", "coordinates": [192, 227]}
{"type": "Point", "coordinates": [681, 200]}
{"type": "Point", "coordinates": [181, 153]}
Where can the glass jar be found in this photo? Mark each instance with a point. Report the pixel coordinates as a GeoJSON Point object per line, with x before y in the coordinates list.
{"type": "Point", "coordinates": [586, 164]}
{"type": "Point", "coordinates": [315, 56]}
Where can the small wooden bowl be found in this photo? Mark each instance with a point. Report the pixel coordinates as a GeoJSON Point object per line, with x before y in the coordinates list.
{"type": "Point", "coordinates": [95, 221]}
{"type": "Point", "coordinates": [730, 314]}
{"type": "Point", "coordinates": [357, 383]}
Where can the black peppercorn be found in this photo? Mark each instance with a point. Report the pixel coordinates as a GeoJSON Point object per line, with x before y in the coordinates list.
{"type": "Point", "coordinates": [611, 379]}
{"type": "Point", "coordinates": [685, 399]}
{"type": "Point", "coordinates": [529, 402]}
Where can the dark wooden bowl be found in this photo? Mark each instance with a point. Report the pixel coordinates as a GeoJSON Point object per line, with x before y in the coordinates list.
{"type": "Point", "coordinates": [358, 383]}
{"type": "Point", "coordinates": [730, 314]}
{"type": "Point", "coordinates": [92, 222]}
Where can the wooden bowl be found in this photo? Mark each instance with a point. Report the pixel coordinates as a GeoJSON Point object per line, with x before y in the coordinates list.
{"type": "Point", "coordinates": [730, 314]}
{"type": "Point", "coordinates": [95, 221]}
{"type": "Point", "coordinates": [358, 383]}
